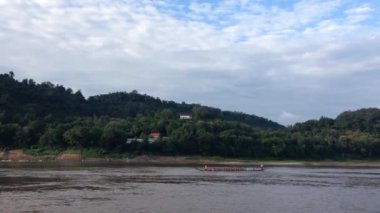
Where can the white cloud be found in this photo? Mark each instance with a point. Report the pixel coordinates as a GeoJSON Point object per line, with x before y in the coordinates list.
{"type": "Point", "coordinates": [202, 8]}
{"type": "Point", "coordinates": [362, 9]}
{"type": "Point", "coordinates": [238, 55]}
{"type": "Point", "coordinates": [358, 14]}
{"type": "Point", "coordinates": [288, 118]}
{"type": "Point", "coordinates": [3, 2]}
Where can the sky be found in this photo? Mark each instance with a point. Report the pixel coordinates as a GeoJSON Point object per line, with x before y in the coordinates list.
{"type": "Point", "coordinates": [288, 61]}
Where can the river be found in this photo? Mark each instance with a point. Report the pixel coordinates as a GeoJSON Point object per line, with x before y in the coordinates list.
{"type": "Point", "coordinates": [144, 189]}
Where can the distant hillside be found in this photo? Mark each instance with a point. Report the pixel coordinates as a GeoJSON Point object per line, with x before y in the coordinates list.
{"type": "Point", "coordinates": [43, 116]}
{"type": "Point", "coordinates": [122, 105]}
{"type": "Point", "coordinates": [365, 120]}
{"type": "Point", "coordinates": [26, 97]}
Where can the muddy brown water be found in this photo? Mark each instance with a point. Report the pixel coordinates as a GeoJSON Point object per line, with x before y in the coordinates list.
{"type": "Point", "coordinates": [110, 188]}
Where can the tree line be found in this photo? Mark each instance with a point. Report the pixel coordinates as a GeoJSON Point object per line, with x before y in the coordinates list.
{"type": "Point", "coordinates": [54, 117]}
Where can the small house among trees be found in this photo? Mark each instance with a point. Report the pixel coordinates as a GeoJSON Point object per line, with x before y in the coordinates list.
{"type": "Point", "coordinates": [185, 116]}
{"type": "Point", "coordinates": [154, 136]}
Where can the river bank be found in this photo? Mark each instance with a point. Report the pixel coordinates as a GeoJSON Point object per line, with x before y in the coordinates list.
{"type": "Point", "coordinates": [19, 157]}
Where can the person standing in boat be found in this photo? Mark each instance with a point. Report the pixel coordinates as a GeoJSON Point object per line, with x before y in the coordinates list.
{"type": "Point", "coordinates": [261, 167]}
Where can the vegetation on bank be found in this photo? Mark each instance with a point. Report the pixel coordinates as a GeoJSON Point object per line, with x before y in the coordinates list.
{"type": "Point", "coordinates": [85, 153]}
{"type": "Point", "coordinates": [46, 118]}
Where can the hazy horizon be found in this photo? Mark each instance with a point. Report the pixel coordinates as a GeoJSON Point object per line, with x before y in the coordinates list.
{"type": "Point", "coordinates": [287, 61]}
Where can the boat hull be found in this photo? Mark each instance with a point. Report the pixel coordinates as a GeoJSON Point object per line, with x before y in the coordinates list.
{"type": "Point", "coordinates": [231, 169]}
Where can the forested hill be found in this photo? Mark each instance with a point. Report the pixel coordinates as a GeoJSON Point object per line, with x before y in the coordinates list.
{"type": "Point", "coordinates": [28, 98]}
{"type": "Point", "coordinates": [123, 105]}
{"type": "Point", "coordinates": [43, 116]}
{"type": "Point", "coordinates": [362, 120]}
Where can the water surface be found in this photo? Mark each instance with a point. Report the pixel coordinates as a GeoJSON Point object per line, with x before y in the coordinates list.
{"type": "Point", "coordinates": [185, 189]}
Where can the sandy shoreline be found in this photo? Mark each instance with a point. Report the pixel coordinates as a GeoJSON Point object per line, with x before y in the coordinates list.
{"type": "Point", "coordinates": [19, 157]}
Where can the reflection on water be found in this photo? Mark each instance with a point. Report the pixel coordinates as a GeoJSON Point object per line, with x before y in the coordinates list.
{"type": "Point", "coordinates": [184, 189]}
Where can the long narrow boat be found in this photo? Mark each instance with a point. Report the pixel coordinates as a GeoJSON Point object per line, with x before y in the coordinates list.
{"type": "Point", "coordinates": [231, 169]}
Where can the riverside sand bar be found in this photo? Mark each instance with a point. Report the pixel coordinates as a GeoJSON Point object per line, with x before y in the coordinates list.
{"type": "Point", "coordinates": [18, 156]}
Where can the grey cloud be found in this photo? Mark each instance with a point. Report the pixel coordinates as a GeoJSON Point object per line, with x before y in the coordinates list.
{"type": "Point", "coordinates": [281, 72]}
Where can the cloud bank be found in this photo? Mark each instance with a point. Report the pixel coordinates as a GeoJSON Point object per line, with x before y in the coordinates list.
{"type": "Point", "coordinates": [285, 61]}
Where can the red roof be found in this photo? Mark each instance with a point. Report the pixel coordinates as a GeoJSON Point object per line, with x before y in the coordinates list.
{"type": "Point", "coordinates": [154, 134]}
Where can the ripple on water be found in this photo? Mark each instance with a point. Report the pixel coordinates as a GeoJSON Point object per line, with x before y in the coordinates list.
{"type": "Point", "coordinates": [28, 183]}
{"type": "Point", "coordinates": [173, 189]}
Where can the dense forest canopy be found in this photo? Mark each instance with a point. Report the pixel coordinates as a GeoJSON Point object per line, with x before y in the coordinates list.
{"type": "Point", "coordinates": [51, 116]}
